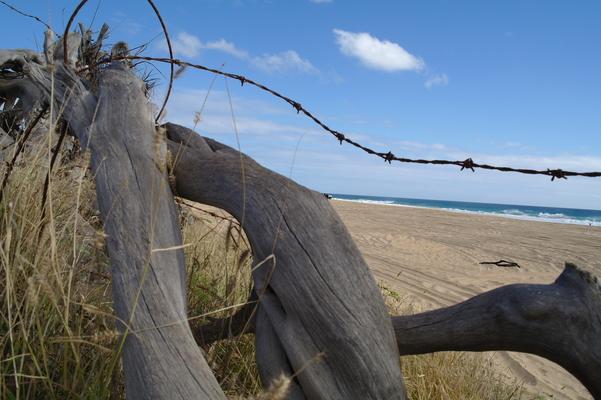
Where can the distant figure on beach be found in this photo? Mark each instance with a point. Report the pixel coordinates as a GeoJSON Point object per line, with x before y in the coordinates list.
{"type": "Point", "coordinates": [327, 196]}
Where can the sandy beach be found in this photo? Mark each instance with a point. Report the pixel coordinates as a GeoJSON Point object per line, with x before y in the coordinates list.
{"type": "Point", "coordinates": [433, 256]}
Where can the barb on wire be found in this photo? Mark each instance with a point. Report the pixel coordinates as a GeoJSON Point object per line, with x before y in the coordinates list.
{"type": "Point", "coordinates": [468, 164]}
{"type": "Point", "coordinates": [386, 156]}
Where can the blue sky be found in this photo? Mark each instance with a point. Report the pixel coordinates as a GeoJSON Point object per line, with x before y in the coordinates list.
{"type": "Point", "coordinates": [516, 83]}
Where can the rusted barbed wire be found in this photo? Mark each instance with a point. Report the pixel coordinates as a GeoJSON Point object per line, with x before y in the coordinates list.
{"type": "Point", "coordinates": [342, 138]}
{"type": "Point", "coordinates": [15, 9]}
{"type": "Point", "coordinates": [167, 39]}
{"type": "Point", "coordinates": [468, 163]}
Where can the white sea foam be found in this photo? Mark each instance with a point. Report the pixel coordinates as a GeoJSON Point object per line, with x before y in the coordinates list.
{"type": "Point", "coordinates": [385, 202]}
{"type": "Point", "coordinates": [517, 214]}
{"type": "Point", "coordinates": [512, 213]}
{"type": "Point", "coordinates": [552, 215]}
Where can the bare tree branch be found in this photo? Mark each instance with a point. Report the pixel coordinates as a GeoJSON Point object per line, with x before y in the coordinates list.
{"type": "Point", "coordinates": [316, 294]}
{"type": "Point", "coordinates": [560, 322]}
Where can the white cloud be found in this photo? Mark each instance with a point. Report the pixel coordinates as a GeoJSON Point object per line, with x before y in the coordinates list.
{"type": "Point", "coordinates": [436, 80]}
{"type": "Point", "coordinates": [377, 54]}
{"type": "Point", "coordinates": [226, 47]}
{"type": "Point", "coordinates": [221, 124]}
{"type": "Point", "coordinates": [186, 45]}
{"type": "Point", "coordinates": [254, 119]}
{"type": "Point", "coordinates": [285, 61]}
{"type": "Point", "coordinates": [418, 146]}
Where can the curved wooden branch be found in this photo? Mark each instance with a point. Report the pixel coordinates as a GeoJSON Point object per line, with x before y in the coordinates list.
{"type": "Point", "coordinates": [27, 93]}
{"type": "Point", "coordinates": [316, 294]}
{"type": "Point", "coordinates": [560, 322]}
{"type": "Point", "coordinates": [230, 327]}
{"type": "Point", "coordinates": [160, 356]}
{"type": "Point", "coordinates": [34, 82]}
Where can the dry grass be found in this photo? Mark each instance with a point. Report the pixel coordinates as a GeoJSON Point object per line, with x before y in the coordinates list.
{"type": "Point", "coordinates": [451, 375]}
{"type": "Point", "coordinates": [56, 326]}
{"type": "Point", "coordinates": [218, 265]}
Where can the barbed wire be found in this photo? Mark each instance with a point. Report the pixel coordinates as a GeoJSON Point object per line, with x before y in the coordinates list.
{"type": "Point", "coordinates": [167, 39]}
{"type": "Point", "coordinates": [15, 9]}
{"type": "Point", "coordinates": [467, 164]}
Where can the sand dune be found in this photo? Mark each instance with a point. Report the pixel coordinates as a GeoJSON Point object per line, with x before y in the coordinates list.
{"type": "Point", "coordinates": [433, 257]}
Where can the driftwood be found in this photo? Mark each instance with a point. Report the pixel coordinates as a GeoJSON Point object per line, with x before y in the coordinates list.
{"type": "Point", "coordinates": [501, 263]}
{"type": "Point", "coordinates": [17, 95]}
{"type": "Point", "coordinates": [160, 356]}
{"type": "Point", "coordinates": [337, 342]}
{"type": "Point", "coordinates": [319, 310]}
{"type": "Point", "coordinates": [560, 322]}
{"type": "Point", "coordinates": [318, 315]}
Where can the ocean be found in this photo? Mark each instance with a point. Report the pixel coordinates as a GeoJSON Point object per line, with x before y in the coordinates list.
{"type": "Point", "coordinates": [533, 213]}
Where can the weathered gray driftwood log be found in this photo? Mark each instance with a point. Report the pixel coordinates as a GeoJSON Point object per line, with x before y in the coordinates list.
{"type": "Point", "coordinates": [160, 357]}
{"type": "Point", "coordinates": [320, 313]}
{"type": "Point", "coordinates": [560, 322]}
{"type": "Point", "coordinates": [338, 342]}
